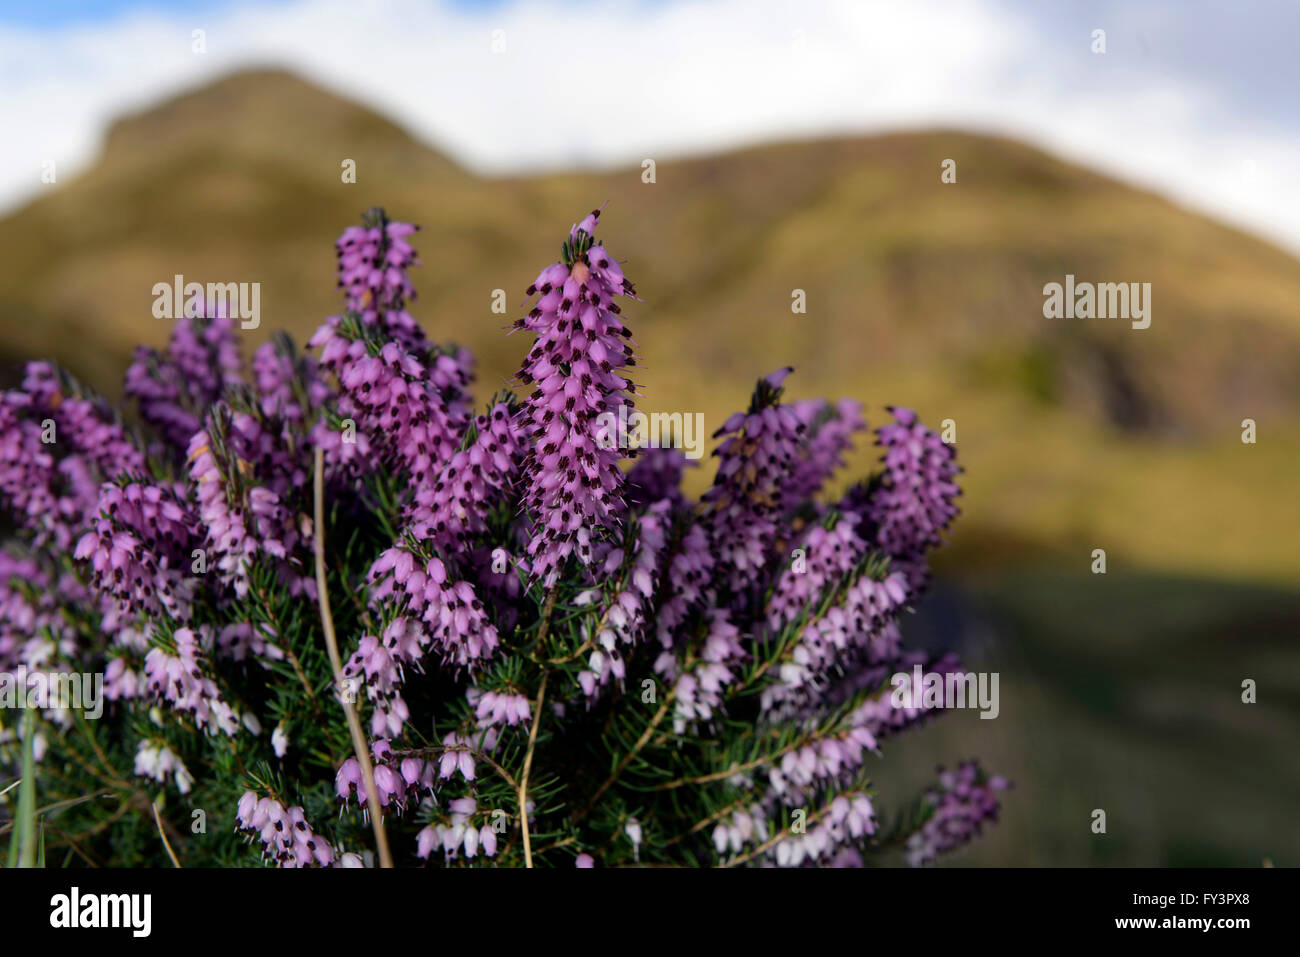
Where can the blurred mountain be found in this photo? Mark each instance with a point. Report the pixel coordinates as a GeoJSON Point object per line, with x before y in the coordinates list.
{"type": "Point", "coordinates": [1076, 433]}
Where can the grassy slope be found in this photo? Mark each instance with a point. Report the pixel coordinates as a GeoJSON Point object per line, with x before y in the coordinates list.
{"type": "Point", "coordinates": [1123, 692]}
{"type": "Point", "coordinates": [1075, 434]}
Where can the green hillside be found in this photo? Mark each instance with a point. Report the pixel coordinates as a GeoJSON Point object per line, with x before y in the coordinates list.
{"type": "Point", "coordinates": [1075, 433]}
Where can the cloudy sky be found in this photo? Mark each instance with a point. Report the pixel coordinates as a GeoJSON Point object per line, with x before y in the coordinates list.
{"type": "Point", "coordinates": [1193, 99]}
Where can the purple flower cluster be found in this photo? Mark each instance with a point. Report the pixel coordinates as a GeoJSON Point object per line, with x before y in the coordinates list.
{"type": "Point", "coordinates": [179, 676]}
{"type": "Point", "coordinates": [573, 483]}
{"type": "Point", "coordinates": [830, 435]}
{"type": "Point", "coordinates": [624, 618]}
{"type": "Point", "coordinates": [286, 836]}
{"type": "Point", "coordinates": [435, 612]}
{"type": "Point", "coordinates": [698, 692]}
{"type": "Point", "coordinates": [175, 388]}
{"type": "Point", "coordinates": [398, 399]}
{"type": "Point", "coordinates": [689, 573]}
{"type": "Point", "coordinates": [33, 629]}
{"type": "Point", "coordinates": [372, 262]}
{"type": "Point", "coordinates": [241, 519]}
{"type": "Point", "coordinates": [459, 834]}
{"type": "Point", "coordinates": [137, 549]}
{"type": "Point", "coordinates": [962, 803]}
{"type": "Point", "coordinates": [453, 508]}
{"type": "Point", "coordinates": [56, 447]}
{"type": "Point", "coordinates": [85, 424]}
{"type": "Point", "coordinates": [914, 504]}
{"type": "Point", "coordinates": [821, 558]}
{"type": "Point", "coordinates": [861, 629]}
{"type": "Point", "coordinates": [398, 781]}
{"type": "Point", "coordinates": [745, 504]}
{"type": "Point", "coordinates": [288, 385]}
{"type": "Point", "coordinates": [503, 584]}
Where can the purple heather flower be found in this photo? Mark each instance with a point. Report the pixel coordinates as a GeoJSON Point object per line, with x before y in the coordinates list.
{"type": "Point", "coordinates": [497, 709]}
{"type": "Point", "coordinates": [51, 495]}
{"type": "Point", "coordinates": [457, 757]}
{"type": "Point", "coordinates": [175, 389]}
{"type": "Point", "coordinates": [288, 384]}
{"type": "Point", "coordinates": [962, 802]}
{"type": "Point", "coordinates": [395, 780]}
{"type": "Point", "coordinates": [848, 818]}
{"type": "Point", "coordinates": [389, 784]}
{"type": "Point", "coordinates": [453, 508]}
{"type": "Point", "coordinates": [138, 548]}
{"type": "Point", "coordinates": [829, 839]}
{"type": "Point", "coordinates": [225, 525]}
{"type": "Point", "coordinates": [880, 715]}
{"type": "Point", "coordinates": [240, 519]}
{"type": "Point", "coordinates": [486, 505]}
{"type": "Point", "coordinates": [242, 640]}
{"type": "Point", "coordinates": [86, 425]}
{"type": "Point", "coordinates": [349, 782]}
{"type": "Point", "coordinates": [624, 618]}
{"type": "Point", "coordinates": [689, 572]}
{"type": "Point", "coordinates": [829, 437]}
{"type": "Point", "coordinates": [859, 629]}
{"type": "Point", "coordinates": [573, 483]}
{"type": "Point", "coordinates": [31, 608]}
{"type": "Point", "coordinates": [394, 398]}
{"type": "Point", "coordinates": [437, 613]}
{"type": "Point", "coordinates": [178, 677]}
{"type": "Point", "coordinates": [373, 259]}
{"type": "Point", "coordinates": [155, 760]}
{"type": "Point", "coordinates": [459, 834]}
{"type": "Point", "coordinates": [700, 689]}
{"type": "Point", "coordinates": [497, 577]}
{"type": "Point", "coordinates": [746, 825]}
{"type": "Point", "coordinates": [820, 558]}
{"type": "Point", "coordinates": [286, 836]}
{"type": "Point", "coordinates": [914, 503]}
{"type": "Point", "coordinates": [28, 476]}
{"type": "Point", "coordinates": [427, 841]}
{"type": "Point", "coordinates": [744, 505]}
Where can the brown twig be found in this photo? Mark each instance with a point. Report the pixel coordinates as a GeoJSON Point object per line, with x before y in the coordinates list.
{"type": "Point", "coordinates": [543, 629]}
{"type": "Point", "coordinates": [163, 834]}
{"type": "Point", "coordinates": [332, 646]}
{"type": "Point", "coordinates": [528, 766]}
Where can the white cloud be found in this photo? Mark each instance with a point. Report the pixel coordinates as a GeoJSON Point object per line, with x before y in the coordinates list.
{"type": "Point", "coordinates": [611, 83]}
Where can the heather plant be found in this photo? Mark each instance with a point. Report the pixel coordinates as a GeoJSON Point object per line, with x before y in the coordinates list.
{"type": "Point", "coordinates": [343, 615]}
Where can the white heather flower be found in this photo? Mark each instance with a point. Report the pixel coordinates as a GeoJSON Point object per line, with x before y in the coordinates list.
{"type": "Point", "coordinates": [633, 828]}
{"type": "Point", "coordinates": [155, 760]}
{"type": "Point", "coordinates": [279, 741]}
